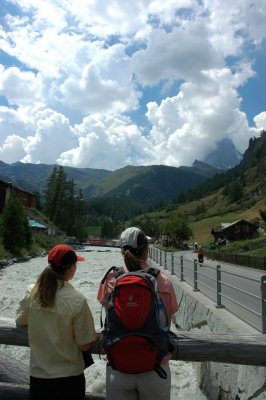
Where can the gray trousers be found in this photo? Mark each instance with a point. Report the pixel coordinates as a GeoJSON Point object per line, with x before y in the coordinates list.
{"type": "Point", "coordinates": [143, 386]}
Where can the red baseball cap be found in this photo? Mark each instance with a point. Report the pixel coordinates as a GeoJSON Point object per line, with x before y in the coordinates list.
{"type": "Point", "coordinates": [63, 256]}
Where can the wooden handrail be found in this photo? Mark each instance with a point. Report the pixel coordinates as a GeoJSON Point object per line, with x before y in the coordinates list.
{"type": "Point", "coordinates": [190, 346]}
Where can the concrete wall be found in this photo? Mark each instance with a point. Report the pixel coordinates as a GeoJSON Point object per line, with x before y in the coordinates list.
{"type": "Point", "coordinates": [218, 381]}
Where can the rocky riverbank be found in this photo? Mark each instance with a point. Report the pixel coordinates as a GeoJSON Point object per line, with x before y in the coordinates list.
{"type": "Point", "coordinates": [6, 262]}
{"type": "Point", "coordinates": [9, 261]}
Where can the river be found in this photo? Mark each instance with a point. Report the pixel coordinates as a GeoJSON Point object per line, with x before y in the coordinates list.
{"type": "Point", "coordinates": [15, 279]}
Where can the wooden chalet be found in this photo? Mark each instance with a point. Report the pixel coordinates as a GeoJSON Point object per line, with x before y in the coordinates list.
{"type": "Point", "coordinates": [27, 199]}
{"type": "Point", "coordinates": [238, 230]}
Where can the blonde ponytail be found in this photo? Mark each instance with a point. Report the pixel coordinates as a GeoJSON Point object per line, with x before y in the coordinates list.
{"type": "Point", "coordinates": [44, 291]}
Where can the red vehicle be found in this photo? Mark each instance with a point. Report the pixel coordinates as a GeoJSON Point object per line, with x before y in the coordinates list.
{"type": "Point", "coordinates": [97, 242]}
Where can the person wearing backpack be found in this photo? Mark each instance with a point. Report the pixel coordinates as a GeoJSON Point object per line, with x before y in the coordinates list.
{"type": "Point", "coordinates": [147, 385]}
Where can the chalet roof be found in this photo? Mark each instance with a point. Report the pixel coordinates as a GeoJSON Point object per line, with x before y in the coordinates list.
{"type": "Point", "coordinates": [5, 182]}
{"type": "Point", "coordinates": [11, 184]}
{"type": "Point", "coordinates": [227, 225]}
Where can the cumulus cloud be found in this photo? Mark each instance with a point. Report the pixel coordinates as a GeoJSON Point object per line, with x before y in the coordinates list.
{"type": "Point", "coordinates": [260, 120]}
{"type": "Point", "coordinates": [107, 142]}
{"type": "Point", "coordinates": [12, 149]}
{"type": "Point", "coordinates": [15, 122]}
{"type": "Point", "coordinates": [180, 54]}
{"type": "Point", "coordinates": [76, 86]}
{"type": "Point", "coordinates": [53, 136]}
{"type": "Point", "coordinates": [19, 87]}
{"type": "Point", "coordinates": [105, 84]}
{"type": "Point", "coordinates": [202, 114]}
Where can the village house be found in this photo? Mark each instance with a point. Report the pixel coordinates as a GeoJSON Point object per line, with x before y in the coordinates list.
{"type": "Point", "coordinates": [238, 230]}
{"type": "Point", "coordinates": [27, 199]}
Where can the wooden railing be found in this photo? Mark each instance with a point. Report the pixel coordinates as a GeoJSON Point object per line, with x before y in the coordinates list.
{"type": "Point", "coordinates": [190, 346]}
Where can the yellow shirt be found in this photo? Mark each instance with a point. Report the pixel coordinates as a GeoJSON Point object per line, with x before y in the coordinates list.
{"type": "Point", "coordinates": [56, 333]}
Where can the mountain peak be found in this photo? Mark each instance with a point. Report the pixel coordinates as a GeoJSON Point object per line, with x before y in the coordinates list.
{"type": "Point", "coordinates": [203, 166]}
{"type": "Point", "coordinates": [225, 156]}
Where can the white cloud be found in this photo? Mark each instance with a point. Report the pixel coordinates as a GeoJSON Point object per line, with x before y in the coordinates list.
{"type": "Point", "coordinates": [19, 87]}
{"type": "Point", "coordinates": [12, 149]}
{"type": "Point", "coordinates": [113, 18]}
{"type": "Point", "coordinates": [53, 136]}
{"type": "Point", "coordinates": [189, 125]}
{"type": "Point", "coordinates": [106, 142]}
{"type": "Point", "coordinates": [234, 23]}
{"type": "Point", "coordinates": [15, 122]}
{"type": "Point", "coordinates": [180, 54]}
{"type": "Point", "coordinates": [105, 85]}
{"type": "Point", "coordinates": [95, 61]}
{"type": "Point", "coordinates": [260, 120]}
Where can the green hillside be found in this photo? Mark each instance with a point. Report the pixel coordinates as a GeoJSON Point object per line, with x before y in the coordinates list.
{"type": "Point", "coordinates": [147, 185]}
{"type": "Point", "coordinates": [33, 177]}
{"type": "Point", "coordinates": [113, 180]}
{"type": "Point", "coordinates": [239, 193]}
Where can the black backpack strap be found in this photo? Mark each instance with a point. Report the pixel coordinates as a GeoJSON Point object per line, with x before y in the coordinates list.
{"type": "Point", "coordinates": [160, 371]}
{"type": "Point", "coordinates": [117, 272]}
{"type": "Point", "coordinates": [153, 271]}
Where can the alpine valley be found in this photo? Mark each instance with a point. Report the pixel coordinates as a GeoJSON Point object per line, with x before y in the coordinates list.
{"type": "Point", "coordinates": [145, 185]}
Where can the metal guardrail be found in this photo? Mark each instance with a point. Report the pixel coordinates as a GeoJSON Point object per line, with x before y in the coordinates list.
{"type": "Point", "coordinates": [241, 294]}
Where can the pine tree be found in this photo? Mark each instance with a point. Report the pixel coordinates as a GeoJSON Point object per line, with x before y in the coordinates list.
{"type": "Point", "coordinates": [235, 191]}
{"type": "Point", "coordinates": [28, 232]}
{"type": "Point", "coordinates": [50, 195]}
{"type": "Point", "coordinates": [13, 225]}
{"type": "Point", "coordinates": [108, 230]}
{"type": "Point", "coordinates": [63, 205]}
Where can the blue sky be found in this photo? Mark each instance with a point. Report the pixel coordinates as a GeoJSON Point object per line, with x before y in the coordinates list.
{"type": "Point", "coordinates": [90, 83]}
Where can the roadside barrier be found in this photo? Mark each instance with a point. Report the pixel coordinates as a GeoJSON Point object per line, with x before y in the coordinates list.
{"type": "Point", "coordinates": [243, 295]}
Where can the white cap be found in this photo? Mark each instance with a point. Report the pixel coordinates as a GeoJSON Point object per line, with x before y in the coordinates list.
{"type": "Point", "coordinates": [134, 238]}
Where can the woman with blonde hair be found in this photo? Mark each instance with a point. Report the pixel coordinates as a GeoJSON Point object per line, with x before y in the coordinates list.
{"type": "Point", "coordinates": [60, 326]}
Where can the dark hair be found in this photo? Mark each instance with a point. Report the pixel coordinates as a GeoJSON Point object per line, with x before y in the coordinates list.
{"type": "Point", "coordinates": [132, 257]}
{"type": "Point", "coordinates": [46, 286]}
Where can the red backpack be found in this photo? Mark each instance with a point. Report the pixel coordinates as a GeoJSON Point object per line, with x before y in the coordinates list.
{"type": "Point", "coordinates": [132, 337]}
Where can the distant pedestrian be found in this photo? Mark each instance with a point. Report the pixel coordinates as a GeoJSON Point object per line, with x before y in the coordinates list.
{"type": "Point", "coordinates": [200, 254]}
{"type": "Point", "coordinates": [60, 327]}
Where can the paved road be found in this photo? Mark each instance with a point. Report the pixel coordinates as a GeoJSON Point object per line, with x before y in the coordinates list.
{"type": "Point", "coordinates": [242, 299]}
